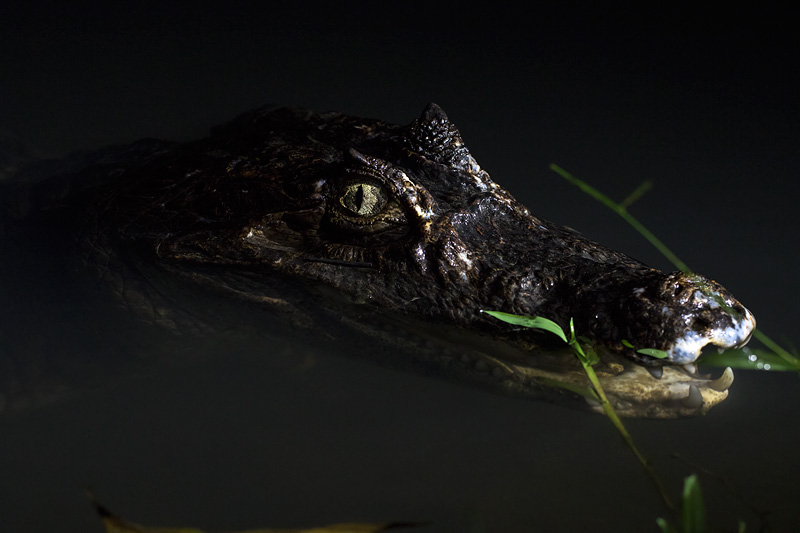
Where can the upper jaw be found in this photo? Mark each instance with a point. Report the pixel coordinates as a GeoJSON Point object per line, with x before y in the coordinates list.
{"type": "Point", "coordinates": [681, 313]}
{"type": "Point", "coordinates": [687, 348]}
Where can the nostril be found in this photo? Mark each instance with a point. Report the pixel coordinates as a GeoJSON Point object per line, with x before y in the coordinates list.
{"type": "Point", "coordinates": [707, 316]}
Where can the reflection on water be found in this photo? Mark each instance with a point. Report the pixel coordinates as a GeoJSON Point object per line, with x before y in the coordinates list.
{"type": "Point", "coordinates": [239, 430]}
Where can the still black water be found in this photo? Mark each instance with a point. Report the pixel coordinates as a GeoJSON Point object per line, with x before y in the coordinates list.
{"type": "Point", "coordinates": [274, 434]}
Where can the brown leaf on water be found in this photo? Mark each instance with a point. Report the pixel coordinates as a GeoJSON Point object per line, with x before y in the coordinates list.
{"type": "Point", "coordinates": [114, 524]}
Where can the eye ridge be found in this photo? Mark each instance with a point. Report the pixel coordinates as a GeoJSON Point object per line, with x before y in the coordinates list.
{"type": "Point", "coordinates": [363, 199]}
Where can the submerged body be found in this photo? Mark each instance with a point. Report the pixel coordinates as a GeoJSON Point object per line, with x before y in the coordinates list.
{"type": "Point", "coordinates": [331, 221]}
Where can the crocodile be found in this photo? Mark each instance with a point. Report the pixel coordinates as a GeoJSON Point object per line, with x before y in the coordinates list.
{"type": "Point", "coordinates": [393, 234]}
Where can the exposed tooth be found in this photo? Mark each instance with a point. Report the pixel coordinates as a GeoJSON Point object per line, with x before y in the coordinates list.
{"type": "Point", "coordinates": [723, 382]}
{"type": "Point", "coordinates": [655, 371]}
{"type": "Point", "coordinates": [690, 368]}
{"type": "Point", "coordinates": [694, 399]}
{"type": "Point", "coordinates": [720, 349]}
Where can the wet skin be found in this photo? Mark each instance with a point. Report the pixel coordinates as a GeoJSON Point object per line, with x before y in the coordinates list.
{"type": "Point", "coordinates": [325, 215]}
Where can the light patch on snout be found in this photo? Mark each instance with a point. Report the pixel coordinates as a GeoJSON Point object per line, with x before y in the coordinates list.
{"type": "Point", "coordinates": [687, 349]}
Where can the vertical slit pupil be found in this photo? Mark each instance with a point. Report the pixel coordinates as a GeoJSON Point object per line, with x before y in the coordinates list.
{"type": "Point", "coordinates": [359, 197]}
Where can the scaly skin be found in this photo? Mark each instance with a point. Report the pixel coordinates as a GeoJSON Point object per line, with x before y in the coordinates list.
{"type": "Point", "coordinates": [402, 221]}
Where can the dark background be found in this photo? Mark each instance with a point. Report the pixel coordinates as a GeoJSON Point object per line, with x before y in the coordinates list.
{"type": "Point", "coordinates": [705, 104]}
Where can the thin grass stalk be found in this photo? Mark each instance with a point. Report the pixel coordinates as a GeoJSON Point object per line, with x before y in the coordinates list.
{"type": "Point", "coordinates": [621, 210]}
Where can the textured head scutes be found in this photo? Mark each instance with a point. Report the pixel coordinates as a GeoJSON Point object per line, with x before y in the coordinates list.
{"type": "Point", "coordinates": [434, 137]}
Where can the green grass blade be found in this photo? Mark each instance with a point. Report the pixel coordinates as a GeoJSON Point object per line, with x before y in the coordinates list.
{"type": "Point", "coordinates": [693, 511]}
{"type": "Point", "coordinates": [652, 352]}
{"type": "Point", "coordinates": [621, 211]}
{"type": "Point", "coordinates": [586, 392]}
{"type": "Point", "coordinates": [664, 525]}
{"type": "Point", "coordinates": [791, 362]}
{"type": "Point", "coordinates": [748, 359]}
{"type": "Point", "coordinates": [779, 351]}
{"type": "Point", "coordinates": [536, 322]}
{"type": "Point", "coordinates": [587, 360]}
{"type": "Point", "coordinates": [636, 194]}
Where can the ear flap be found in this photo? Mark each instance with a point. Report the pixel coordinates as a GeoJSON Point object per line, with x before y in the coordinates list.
{"type": "Point", "coordinates": [434, 137]}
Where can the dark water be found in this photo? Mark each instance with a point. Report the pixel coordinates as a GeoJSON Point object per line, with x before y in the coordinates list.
{"type": "Point", "coordinates": [285, 433]}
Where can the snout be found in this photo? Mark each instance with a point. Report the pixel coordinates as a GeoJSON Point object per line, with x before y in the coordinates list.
{"type": "Point", "coordinates": [711, 315]}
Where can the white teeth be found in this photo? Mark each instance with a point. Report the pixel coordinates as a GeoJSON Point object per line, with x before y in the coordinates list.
{"type": "Point", "coordinates": [690, 368]}
{"type": "Point", "coordinates": [655, 371]}
{"type": "Point", "coordinates": [694, 399]}
{"type": "Point", "coordinates": [723, 382]}
{"type": "Point", "coordinates": [720, 349]}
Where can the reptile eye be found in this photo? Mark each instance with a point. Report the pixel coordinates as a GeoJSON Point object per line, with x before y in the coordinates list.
{"type": "Point", "coordinates": [363, 199]}
{"type": "Point", "coordinates": [363, 207]}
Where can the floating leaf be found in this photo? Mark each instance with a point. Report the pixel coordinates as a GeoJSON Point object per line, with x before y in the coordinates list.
{"type": "Point", "coordinates": [114, 524]}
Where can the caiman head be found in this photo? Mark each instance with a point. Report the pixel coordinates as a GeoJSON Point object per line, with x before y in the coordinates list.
{"type": "Point", "coordinates": [402, 223]}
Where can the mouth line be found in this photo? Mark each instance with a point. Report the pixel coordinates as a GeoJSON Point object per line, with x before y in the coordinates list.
{"type": "Point", "coordinates": [690, 370]}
